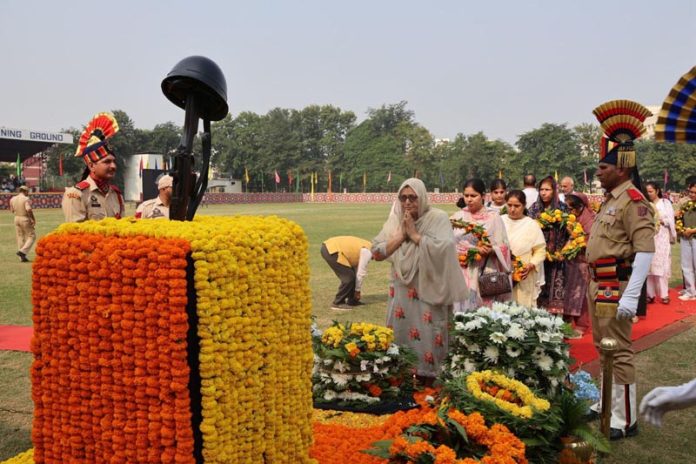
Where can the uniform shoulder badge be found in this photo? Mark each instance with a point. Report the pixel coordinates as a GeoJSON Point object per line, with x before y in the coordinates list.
{"type": "Point", "coordinates": [635, 194]}
{"type": "Point", "coordinates": [73, 193]}
{"type": "Point", "coordinates": [82, 185]}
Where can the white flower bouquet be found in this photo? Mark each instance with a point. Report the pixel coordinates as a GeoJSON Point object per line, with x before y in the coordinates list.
{"type": "Point", "coordinates": [523, 343]}
{"type": "Point", "coordinates": [357, 365]}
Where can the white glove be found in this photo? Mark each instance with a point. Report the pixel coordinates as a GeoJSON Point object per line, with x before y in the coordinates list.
{"type": "Point", "coordinates": [663, 399]}
{"type": "Point", "coordinates": [628, 304]}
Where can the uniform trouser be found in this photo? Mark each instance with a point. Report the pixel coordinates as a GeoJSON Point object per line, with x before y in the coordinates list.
{"type": "Point", "coordinates": [688, 264]}
{"type": "Point", "coordinates": [657, 286]}
{"type": "Point", "coordinates": [26, 235]}
{"type": "Point", "coordinates": [345, 274]}
{"type": "Point", "coordinates": [624, 370]}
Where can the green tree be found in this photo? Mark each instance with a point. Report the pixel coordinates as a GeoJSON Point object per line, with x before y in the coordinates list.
{"type": "Point", "coordinates": [549, 149]}
{"type": "Point", "coordinates": [678, 159]}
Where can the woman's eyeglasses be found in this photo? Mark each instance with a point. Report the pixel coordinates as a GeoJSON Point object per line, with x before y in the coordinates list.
{"type": "Point", "coordinates": [411, 198]}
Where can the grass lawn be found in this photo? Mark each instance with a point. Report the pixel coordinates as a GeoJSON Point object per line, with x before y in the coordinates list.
{"type": "Point", "coordinates": [669, 363]}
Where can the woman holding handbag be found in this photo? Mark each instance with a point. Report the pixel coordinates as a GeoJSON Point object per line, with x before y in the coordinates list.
{"type": "Point", "coordinates": [483, 249]}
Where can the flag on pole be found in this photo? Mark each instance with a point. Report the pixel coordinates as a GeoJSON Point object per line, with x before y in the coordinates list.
{"type": "Point", "coordinates": [389, 177]}
{"type": "Point", "coordinates": [364, 181]}
{"type": "Point", "coordinates": [19, 166]}
{"type": "Point", "coordinates": [290, 178]}
{"type": "Point", "coordinates": [140, 167]}
{"type": "Point", "coordinates": [60, 165]}
{"type": "Point", "coordinates": [584, 174]}
{"type": "Point", "coordinates": [500, 173]}
{"type": "Point", "coordinates": [316, 177]}
{"type": "Point", "coordinates": [340, 182]}
{"type": "Point", "coordinates": [328, 186]}
{"type": "Point", "coordinates": [555, 175]}
{"type": "Point", "coordinates": [665, 179]}
{"type": "Point", "coordinates": [311, 183]}
{"type": "Point", "coordinates": [297, 181]}
{"type": "Point", "coordinates": [277, 177]}
{"type": "Point", "coordinates": [156, 168]}
{"type": "Point", "coordinates": [246, 175]}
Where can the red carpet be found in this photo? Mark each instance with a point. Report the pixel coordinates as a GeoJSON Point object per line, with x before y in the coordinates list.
{"type": "Point", "coordinates": [658, 317]}
{"type": "Point", "coordinates": [15, 337]}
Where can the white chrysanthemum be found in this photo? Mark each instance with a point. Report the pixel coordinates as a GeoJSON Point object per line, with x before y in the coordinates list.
{"type": "Point", "coordinates": [510, 372]}
{"type": "Point", "coordinates": [340, 366]}
{"type": "Point", "coordinates": [544, 362]}
{"type": "Point", "coordinates": [456, 359]}
{"type": "Point", "coordinates": [327, 362]}
{"type": "Point", "coordinates": [516, 332]}
{"type": "Point", "coordinates": [474, 348]}
{"type": "Point", "coordinates": [538, 352]}
{"type": "Point", "coordinates": [469, 365]}
{"type": "Point", "coordinates": [473, 324]}
{"type": "Point", "coordinates": [393, 350]}
{"type": "Point", "coordinates": [329, 395]}
{"type": "Point", "coordinates": [363, 377]}
{"type": "Point", "coordinates": [483, 311]}
{"type": "Point", "coordinates": [560, 364]}
{"type": "Point", "coordinates": [341, 380]}
{"type": "Point", "coordinates": [498, 337]}
{"type": "Point", "coordinates": [544, 321]}
{"type": "Point", "coordinates": [316, 331]}
{"type": "Point", "coordinates": [544, 337]}
{"type": "Point", "coordinates": [458, 326]}
{"type": "Point", "coordinates": [385, 359]}
{"type": "Point", "coordinates": [554, 382]}
{"type": "Point", "coordinates": [513, 352]}
{"type": "Point", "coordinates": [363, 364]}
{"type": "Point", "coordinates": [491, 354]}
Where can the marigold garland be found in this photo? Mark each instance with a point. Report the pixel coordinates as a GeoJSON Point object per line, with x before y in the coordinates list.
{"type": "Point", "coordinates": [477, 230]}
{"type": "Point", "coordinates": [112, 294]}
{"type": "Point", "coordinates": [679, 216]}
{"type": "Point", "coordinates": [508, 394]}
{"type": "Point", "coordinates": [27, 457]}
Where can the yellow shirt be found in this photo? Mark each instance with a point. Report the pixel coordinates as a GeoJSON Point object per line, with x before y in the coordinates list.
{"type": "Point", "coordinates": [348, 248]}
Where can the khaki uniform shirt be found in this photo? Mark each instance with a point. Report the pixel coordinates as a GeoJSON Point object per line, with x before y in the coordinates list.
{"type": "Point", "coordinates": [85, 201]}
{"type": "Point", "coordinates": [152, 209]}
{"type": "Point", "coordinates": [623, 226]}
{"type": "Point", "coordinates": [20, 205]}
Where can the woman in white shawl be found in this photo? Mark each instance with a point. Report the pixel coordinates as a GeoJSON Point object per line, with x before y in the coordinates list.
{"type": "Point", "coordinates": [661, 265]}
{"type": "Point", "coordinates": [528, 244]}
{"type": "Point", "coordinates": [425, 276]}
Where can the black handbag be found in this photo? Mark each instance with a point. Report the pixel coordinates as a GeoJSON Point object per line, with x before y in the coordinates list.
{"type": "Point", "coordinates": [493, 283]}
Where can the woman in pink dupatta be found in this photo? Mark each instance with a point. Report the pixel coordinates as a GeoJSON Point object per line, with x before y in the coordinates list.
{"type": "Point", "coordinates": [577, 270]}
{"type": "Point", "coordinates": [494, 257]}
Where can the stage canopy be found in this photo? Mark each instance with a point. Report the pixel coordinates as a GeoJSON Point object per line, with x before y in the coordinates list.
{"type": "Point", "coordinates": [27, 142]}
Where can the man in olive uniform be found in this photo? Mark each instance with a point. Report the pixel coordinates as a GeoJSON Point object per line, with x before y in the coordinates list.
{"type": "Point", "coordinates": [688, 240]}
{"type": "Point", "coordinates": [95, 197]}
{"type": "Point", "coordinates": [24, 220]}
{"type": "Point", "coordinates": [348, 257]}
{"type": "Point", "coordinates": [158, 207]}
{"type": "Point", "coordinates": [619, 252]}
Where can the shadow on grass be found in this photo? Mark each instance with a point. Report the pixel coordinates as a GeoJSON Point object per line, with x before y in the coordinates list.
{"type": "Point", "coordinates": [15, 430]}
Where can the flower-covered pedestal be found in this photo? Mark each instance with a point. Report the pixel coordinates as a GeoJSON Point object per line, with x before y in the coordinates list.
{"type": "Point", "coordinates": [166, 341]}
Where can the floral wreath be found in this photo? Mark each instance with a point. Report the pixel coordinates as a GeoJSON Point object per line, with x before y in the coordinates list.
{"type": "Point", "coordinates": [477, 230]}
{"type": "Point", "coordinates": [508, 394]}
{"type": "Point", "coordinates": [679, 216]}
{"type": "Point", "coordinates": [418, 439]}
{"type": "Point", "coordinates": [557, 219]}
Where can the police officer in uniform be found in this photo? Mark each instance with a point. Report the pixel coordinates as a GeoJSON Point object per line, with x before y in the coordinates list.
{"type": "Point", "coordinates": [24, 220]}
{"type": "Point", "coordinates": [619, 251]}
{"type": "Point", "coordinates": [158, 207]}
{"type": "Point", "coordinates": [95, 197]}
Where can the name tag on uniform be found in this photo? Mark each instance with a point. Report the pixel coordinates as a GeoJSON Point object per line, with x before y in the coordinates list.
{"type": "Point", "coordinates": [611, 211]}
{"type": "Point", "coordinates": [94, 202]}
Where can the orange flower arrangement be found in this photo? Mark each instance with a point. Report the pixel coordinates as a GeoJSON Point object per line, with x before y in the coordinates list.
{"type": "Point", "coordinates": [110, 373]}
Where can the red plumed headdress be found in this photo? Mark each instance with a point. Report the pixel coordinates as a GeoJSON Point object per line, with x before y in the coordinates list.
{"type": "Point", "coordinates": [92, 145]}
